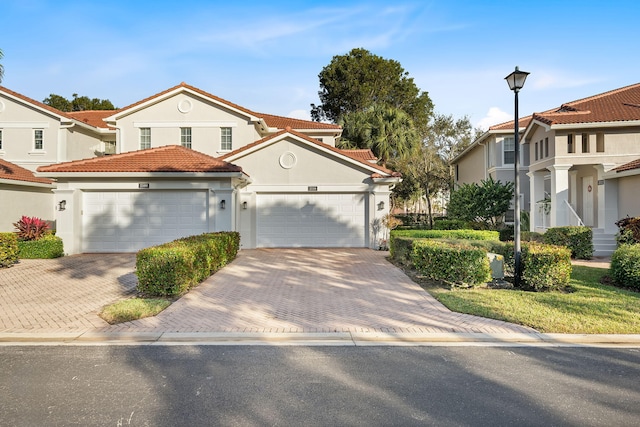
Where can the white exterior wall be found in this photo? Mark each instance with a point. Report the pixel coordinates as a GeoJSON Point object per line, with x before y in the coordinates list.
{"type": "Point", "coordinates": [628, 200]}
{"type": "Point", "coordinates": [166, 117]}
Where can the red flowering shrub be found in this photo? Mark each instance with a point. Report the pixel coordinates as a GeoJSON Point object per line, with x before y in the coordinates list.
{"type": "Point", "coordinates": [30, 228]}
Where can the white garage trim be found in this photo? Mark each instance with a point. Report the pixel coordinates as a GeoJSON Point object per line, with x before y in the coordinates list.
{"type": "Point", "coordinates": [127, 221]}
{"type": "Point", "coordinates": [310, 220]}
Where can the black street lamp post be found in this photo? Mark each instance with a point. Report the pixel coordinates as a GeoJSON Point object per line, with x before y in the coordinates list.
{"type": "Point", "coordinates": [516, 82]}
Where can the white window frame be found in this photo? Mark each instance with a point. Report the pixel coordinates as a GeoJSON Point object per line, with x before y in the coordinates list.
{"type": "Point", "coordinates": [185, 137]}
{"type": "Point", "coordinates": [505, 151]}
{"type": "Point", "coordinates": [145, 138]}
{"type": "Point", "coordinates": [226, 139]}
{"type": "Point", "coordinates": [38, 139]}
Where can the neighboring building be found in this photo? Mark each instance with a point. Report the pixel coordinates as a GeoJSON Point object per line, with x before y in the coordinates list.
{"type": "Point", "coordinates": [184, 162]}
{"type": "Point", "coordinates": [581, 163]}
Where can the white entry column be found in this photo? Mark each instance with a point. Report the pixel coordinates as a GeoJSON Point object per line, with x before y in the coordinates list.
{"type": "Point", "coordinates": [559, 194]}
{"type": "Point", "coordinates": [607, 199]}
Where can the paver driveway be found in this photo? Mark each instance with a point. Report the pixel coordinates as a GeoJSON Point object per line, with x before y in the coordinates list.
{"type": "Point", "coordinates": [311, 290]}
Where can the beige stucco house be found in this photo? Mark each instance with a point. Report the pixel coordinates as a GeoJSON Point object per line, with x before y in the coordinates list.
{"type": "Point", "coordinates": [184, 161]}
{"type": "Point", "coordinates": [579, 163]}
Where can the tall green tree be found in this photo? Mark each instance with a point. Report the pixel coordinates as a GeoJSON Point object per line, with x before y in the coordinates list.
{"type": "Point", "coordinates": [358, 80]}
{"type": "Point", "coordinates": [1, 66]}
{"type": "Point", "coordinates": [486, 202]}
{"type": "Point", "coordinates": [389, 132]}
{"type": "Point", "coordinates": [78, 103]}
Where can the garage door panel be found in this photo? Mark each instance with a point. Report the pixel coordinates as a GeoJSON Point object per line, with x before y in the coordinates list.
{"type": "Point", "coordinates": [310, 220]}
{"type": "Point", "coordinates": [129, 221]}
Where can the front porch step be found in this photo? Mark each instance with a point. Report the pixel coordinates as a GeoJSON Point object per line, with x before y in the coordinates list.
{"type": "Point", "coordinates": [604, 244]}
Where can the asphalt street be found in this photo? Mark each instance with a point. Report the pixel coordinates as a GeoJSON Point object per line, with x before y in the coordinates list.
{"type": "Point", "coordinates": [318, 386]}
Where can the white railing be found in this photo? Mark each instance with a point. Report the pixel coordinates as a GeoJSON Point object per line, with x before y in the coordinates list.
{"type": "Point", "coordinates": [543, 219]}
{"type": "Point", "coordinates": [574, 218]}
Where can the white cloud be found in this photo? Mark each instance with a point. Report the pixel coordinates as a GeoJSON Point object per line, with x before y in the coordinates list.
{"type": "Point", "coordinates": [493, 117]}
{"type": "Point", "coordinates": [559, 80]}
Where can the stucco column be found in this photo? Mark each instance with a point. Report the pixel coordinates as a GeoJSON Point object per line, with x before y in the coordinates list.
{"type": "Point", "coordinates": [607, 199]}
{"type": "Point", "coordinates": [380, 205]}
{"type": "Point", "coordinates": [559, 194]}
{"type": "Point", "coordinates": [536, 189]}
{"type": "Point", "coordinates": [573, 189]}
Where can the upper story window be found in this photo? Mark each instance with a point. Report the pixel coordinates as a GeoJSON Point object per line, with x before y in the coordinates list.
{"type": "Point", "coordinates": [226, 143]}
{"type": "Point", "coordinates": [546, 147]}
{"type": "Point", "coordinates": [0, 139]}
{"type": "Point", "coordinates": [185, 137]}
{"type": "Point", "coordinates": [600, 142]}
{"type": "Point", "coordinates": [508, 148]}
{"type": "Point", "coordinates": [145, 138]}
{"type": "Point", "coordinates": [38, 139]}
{"type": "Point", "coordinates": [536, 150]}
{"type": "Point", "coordinates": [570, 146]}
{"type": "Point", "coordinates": [585, 143]}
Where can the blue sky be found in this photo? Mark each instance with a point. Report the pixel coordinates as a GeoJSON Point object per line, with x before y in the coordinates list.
{"type": "Point", "coordinates": [266, 56]}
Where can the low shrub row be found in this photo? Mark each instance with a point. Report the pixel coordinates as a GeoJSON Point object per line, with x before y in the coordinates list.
{"type": "Point", "coordinates": [48, 246]}
{"type": "Point", "coordinates": [625, 266]}
{"type": "Point", "coordinates": [578, 239]}
{"type": "Point", "coordinates": [8, 249]}
{"type": "Point", "coordinates": [173, 268]}
{"type": "Point", "coordinates": [455, 264]}
{"type": "Point", "coordinates": [465, 262]}
{"type": "Point", "coordinates": [447, 234]}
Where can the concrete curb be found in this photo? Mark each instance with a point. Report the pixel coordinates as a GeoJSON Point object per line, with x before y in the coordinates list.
{"type": "Point", "coordinates": [318, 339]}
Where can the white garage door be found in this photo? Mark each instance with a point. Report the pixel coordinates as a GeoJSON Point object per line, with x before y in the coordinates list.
{"type": "Point", "coordinates": [310, 220]}
{"type": "Point", "coordinates": [126, 221]}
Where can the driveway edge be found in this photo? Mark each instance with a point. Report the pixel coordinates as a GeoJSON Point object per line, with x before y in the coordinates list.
{"type": "Point", "coordinates": [320, 339]}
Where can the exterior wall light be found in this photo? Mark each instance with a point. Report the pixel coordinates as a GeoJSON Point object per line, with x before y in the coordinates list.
{"type": "Point", "coordinates": [381, 206]}
{"type": "Point", "coordinates": [223, 204]}
{"type": "Point", "coordinates": [62, 205]}
{"type": "Point", "coordinates": [244, 205]}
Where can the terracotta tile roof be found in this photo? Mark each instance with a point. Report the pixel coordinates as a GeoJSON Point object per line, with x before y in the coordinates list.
{"type": "Point", "coordinates": [617, 105]}
{"type": "Point", "coordinates": [347, 153]}
{"type": "Point", "coordinates": [523, 122]}
{"type": "Point", "coordinates": [284, 122]}
{"type": "Point", "coordinates": [271, 120]}
{"type": "Point", "coordinates": [14, 172]}
{"type": "Point", "coordinates": [170, 158]}
{"type": "Point", "coordinates": [93, 117]}
{"type": "Point", "coordinates": [363, 154]}
{"type": "Point", "coordinates": [628, 166]}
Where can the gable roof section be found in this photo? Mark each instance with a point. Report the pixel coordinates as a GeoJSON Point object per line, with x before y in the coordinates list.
{"type": "Point", "coordinates": [170, 158]}
{"type": "Point", "coordinates": [270, 120]}
{"type": "Point", "coordinates": [618, 105]}
{"type": "Point", "coordinates": [13, 172]}
{"type": "Point", "coordinates": [345, 154]}
{"type": "Point", "coordinates": [38, 104]}
{"type": "Point", "coordinates": [363, 154]}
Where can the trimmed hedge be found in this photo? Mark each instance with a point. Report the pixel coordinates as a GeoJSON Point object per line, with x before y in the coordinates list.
{"type": "Point", "coordinates": [506, 234]}
{"type": "Point", "coordinates": [544, 267]}
{"type": "Point", "coordinates": [8, 249]}
{"type": "Point", "coordinates": [46, 247]}
{"type": "Point", "coordinates": [579, 239]}
{"type": "Point", "coordinates": [173, 268]}
{"type": "Point", "coordinates": [447, 234]}
{"type": "Point", "coordinates": [625, 266]}
{"type": "Point", "coordinates": [460, 265]}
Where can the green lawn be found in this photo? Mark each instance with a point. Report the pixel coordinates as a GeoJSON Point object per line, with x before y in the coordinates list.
{"type": "Point", "coordinates": [132, 309]}
{"type": "Point", "coordinates": [593, 308]}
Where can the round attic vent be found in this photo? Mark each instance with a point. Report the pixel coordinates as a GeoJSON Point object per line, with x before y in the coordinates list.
{"type": "Point", "coordinates": [288, 160]}
{"type": "Point", "coordinates": [184, 106]}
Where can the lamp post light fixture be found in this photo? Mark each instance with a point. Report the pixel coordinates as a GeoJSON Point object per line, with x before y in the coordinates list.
{"type": "Point", "coordinates": [516, 82]}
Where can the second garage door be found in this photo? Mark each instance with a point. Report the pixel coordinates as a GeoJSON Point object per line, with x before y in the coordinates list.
{"type": "Point", "coordinates": [310, 220]}
{"type": "Point", "coordinates": [127, 221]}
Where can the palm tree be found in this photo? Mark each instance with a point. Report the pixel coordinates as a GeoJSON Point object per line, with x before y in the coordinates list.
{"type": "Point", "coordinates": [393, 135]}
{"type": "Point", "coordinates": [1, 67]}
